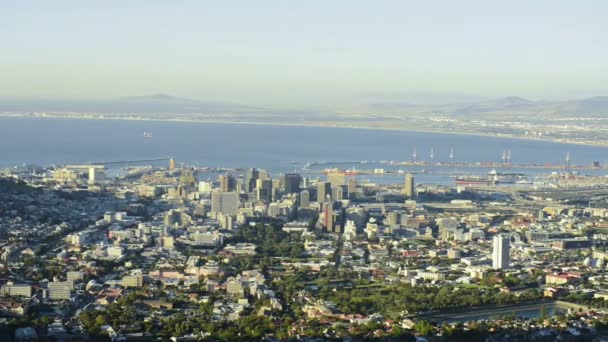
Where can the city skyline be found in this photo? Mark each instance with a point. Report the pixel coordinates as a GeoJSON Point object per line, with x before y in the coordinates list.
{"type": "Point", "coordinates": [303, 171]}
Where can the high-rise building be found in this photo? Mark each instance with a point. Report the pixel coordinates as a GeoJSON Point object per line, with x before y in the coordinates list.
{"type": "Point", "coordinates": [263, 174]}
{"type": "Point", "coordinates": [305, 182]}
{"type": "Point", "coordinates": [263, 190]}
{"type": "Point", "coordinates": [339, 192]}
{"type": "Point", "coordinates": [323, 189]}
{"type": "Point", "coordinates": [408, 188]}
{"type": "Point", "coordinates": [226, 203]}
{"type": "Point", "coordinates": [393, 218]}
{"type": "Point", "coordinates": [188, 177]}
{"type": "Point", "coordinates": [171, 164]}
{"type": "Point", "coordinates": [204, 187]}
{"type": "Point", "coordinates": [292, 183]}
{"type": "Point", "coordinates": [352, 188]}
{"type": "Point", "coordinates": [328, 216]}
{"type": "Point", "coordinates": [96, 174]}
{"type": "Point", "coordinates": [336, 178]}
{"type": "Point", "coordinates": [304, 199]}
{"type": "Point", "coordinates": [500, 251]}
{"type": "Point", "coordinates": [250, 179]}
{"type": "Point", "coordinates": [227, 182]}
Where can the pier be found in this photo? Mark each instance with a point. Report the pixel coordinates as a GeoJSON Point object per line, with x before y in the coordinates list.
{"type": "Point", "coordinates": [115, 162]}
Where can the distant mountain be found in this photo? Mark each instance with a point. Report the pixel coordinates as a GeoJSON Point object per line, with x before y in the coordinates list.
{"type": "Point", "coordinates": [168, 105]}
{"type": "Point", "coordinates": [512, 104]}
{"type": "Point", "coordinates": [156, 98]}
{"type": "Point", "coordinates": [596, 106]}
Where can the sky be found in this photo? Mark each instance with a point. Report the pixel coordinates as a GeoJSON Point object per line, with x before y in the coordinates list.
{"type": "Point", "coordinates": [304, 52]}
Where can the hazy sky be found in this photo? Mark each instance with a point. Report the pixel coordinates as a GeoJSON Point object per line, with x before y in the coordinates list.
{"type": "Point", "coordinates": [297, 52]}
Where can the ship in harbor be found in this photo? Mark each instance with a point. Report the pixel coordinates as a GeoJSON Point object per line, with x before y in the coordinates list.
{"type": "Point", "coordinates": [350, 172]}
{"type": "Point", "coordinates": [492, 178]}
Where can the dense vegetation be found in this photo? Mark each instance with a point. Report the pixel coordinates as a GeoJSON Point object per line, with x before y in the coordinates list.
{"type": "Point", "coordinates": [271, 240]}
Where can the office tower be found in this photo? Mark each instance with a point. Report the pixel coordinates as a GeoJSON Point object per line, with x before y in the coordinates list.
{"type": "Point", "coordinates": [96, 174]}
{"type": "Point", "coordinates": [182, 191]}
{"type": "Point", "coordinates": [188, 177]}
{"type": "Point", "coordinates": [240, 185]}
{"type": "Point", "coordinates": [250, 179]}
{"type": "Point", "coordinates": [328, 216]}
{"type": "Point", "coordinates": [227, 182]}
{"type": "Point", "coordinates": [177, 217]}
{"type": "Point", "coordinates": [292, 183]}
{"type": "Point", "coordinates": [393, 218]}
{"type": "Point", "coordinates": [204, 187]}
{"type": "Point", "coordinates": [263, 190]}
{"type": "Point", "coordinates": [263, 174]}
{"type": "Point", "coordinates": [171, 164]}
{"type": "Point", "coordinates": [226, 203]}
{"type": "Point", "coordinates": [304, 199]}
{"type": "Point", "coordinates": [305, 182]}
{"type": "Point", "coordinates": [352, 188]}
{"type": "Point", "coordinates": [323, 189]}
{"type": "Point", "coordinates": [336, 178]}
{"type": "Point", "coordinates": [408, 188]}
{"type": "Point", "coordinates": [500, 251]}
{"type": "Point", "coordinates": [339, 192]}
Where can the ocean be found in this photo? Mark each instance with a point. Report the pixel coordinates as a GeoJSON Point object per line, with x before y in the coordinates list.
{"type": "Point", "coordinates": [55, 141]}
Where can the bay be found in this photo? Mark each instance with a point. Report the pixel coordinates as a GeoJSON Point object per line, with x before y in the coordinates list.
{"type": "Point", "coordinates": [47, 141]}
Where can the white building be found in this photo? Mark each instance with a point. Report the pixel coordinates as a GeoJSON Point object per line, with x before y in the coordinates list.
{"type": "Point", "coordinates": [204, 187]}
{"type": "Point", "coordinates": [500, 251]}
{"type": "Point", "coordinates": [350, 230]}
{"type": "Point", "coordinates": [12, 289]}
{"type": "Point", "coordinates": [114, 251]}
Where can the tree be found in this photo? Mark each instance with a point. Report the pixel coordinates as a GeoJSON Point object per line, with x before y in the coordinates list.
{"type": "Point", "coordinates": [423, 328]}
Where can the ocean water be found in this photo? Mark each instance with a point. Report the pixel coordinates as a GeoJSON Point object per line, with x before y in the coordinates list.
{"type": "Point", "coordinates": [48, 141]}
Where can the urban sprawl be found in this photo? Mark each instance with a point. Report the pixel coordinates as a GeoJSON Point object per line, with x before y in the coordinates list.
{"type": "Point", "coordinates": [184, 254]}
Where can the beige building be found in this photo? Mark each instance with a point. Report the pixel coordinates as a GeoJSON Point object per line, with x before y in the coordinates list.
{"type": "Point", "coordinates": [16, 290]}
{"type": "Point", "coordinates": [60, 290]}
{"type": "Point", "coordinates": [133, 281]}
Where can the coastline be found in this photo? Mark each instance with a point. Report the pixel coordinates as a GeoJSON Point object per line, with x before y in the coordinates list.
{"type": "Point", "coordinates": [344, 125]}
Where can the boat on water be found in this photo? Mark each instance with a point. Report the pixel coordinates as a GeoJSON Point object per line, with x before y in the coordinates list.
{"type": "Point", "coordinates": [349, 172]}
{"type": "Point", "coordinates": [492, 178]}
{"type": "Point", "coordinates": [472, 180]}
{"type": "Point", "coordinates": [147, 135]}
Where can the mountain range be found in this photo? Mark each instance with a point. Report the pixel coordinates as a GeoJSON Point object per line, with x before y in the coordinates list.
{"type": "Point", "coordinates": [163, 104]}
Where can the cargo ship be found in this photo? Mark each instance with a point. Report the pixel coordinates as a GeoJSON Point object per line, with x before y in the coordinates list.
{"type": "Point", "coordinates": [493, 178]}
{"type": "Point", "coordinates": [473, 180]}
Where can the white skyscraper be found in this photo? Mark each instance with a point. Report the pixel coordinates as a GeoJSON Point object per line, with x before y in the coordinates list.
{"type": "Point", "coordinates": [204, 187]}
{"type": "Point", "coordinates": [500, 251]}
